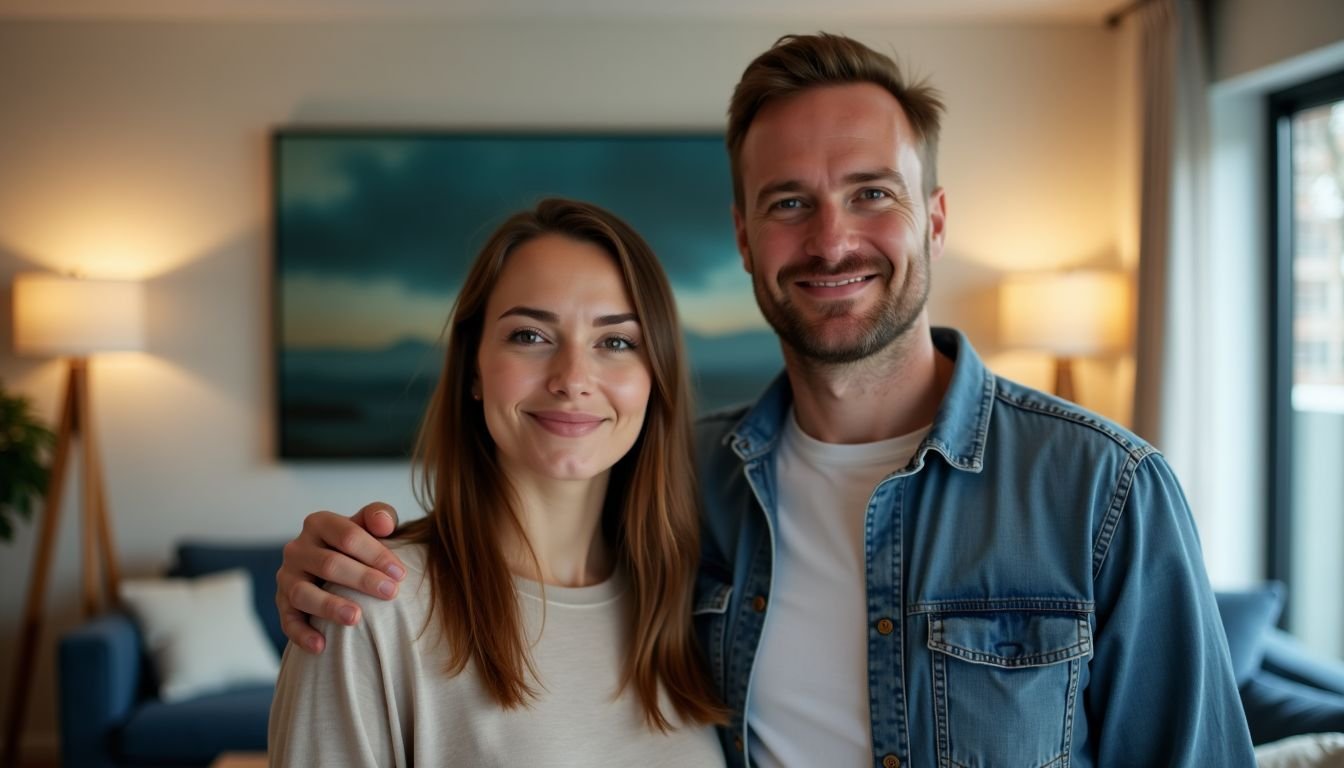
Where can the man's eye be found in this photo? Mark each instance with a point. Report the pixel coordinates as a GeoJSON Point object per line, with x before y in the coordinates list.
{"type": "Point", "coordinates": [787, 204]}
{"type": "Point", "coordinates": [874, 194]}
{"type": "Point", "coordinates": [526, 336]}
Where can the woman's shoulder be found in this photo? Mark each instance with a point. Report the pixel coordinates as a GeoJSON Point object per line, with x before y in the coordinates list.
{"type": "Point", "coordinates": [412, 595]}
{"type": "Point", "coordinates": [412, 554]}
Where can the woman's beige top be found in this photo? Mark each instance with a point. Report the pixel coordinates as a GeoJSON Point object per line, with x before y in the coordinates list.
{"type": "Point", "coordinates": [378, 694]}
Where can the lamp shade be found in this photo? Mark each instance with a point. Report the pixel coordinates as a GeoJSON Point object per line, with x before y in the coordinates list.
{"type": "Point", "coordinates": [1068, 314]}
{"type": "Point", "coordinates": [57, 315]}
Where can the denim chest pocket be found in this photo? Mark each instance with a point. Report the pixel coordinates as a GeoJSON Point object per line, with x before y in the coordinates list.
{"type": "Point", "coordinates": [710, 613]}
{"type": "Point", "coordinates": [1005, 684]}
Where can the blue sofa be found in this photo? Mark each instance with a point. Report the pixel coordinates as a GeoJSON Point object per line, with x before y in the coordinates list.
{"type": "Point", "coordinates": [1285, 689]}
{"type": "Point", "coordinates": [110, 713]}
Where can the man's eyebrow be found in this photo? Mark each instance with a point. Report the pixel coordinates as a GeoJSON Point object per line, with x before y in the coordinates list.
{"type": "Point", "coordinates": [881, 174]}
{"type": "Point", "coordinates": [547, 316]}
{"type": "Point", "coordinates": [770, 190]}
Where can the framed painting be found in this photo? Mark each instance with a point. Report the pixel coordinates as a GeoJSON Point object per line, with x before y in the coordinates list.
{"type": "Point", "coordinates": [374, 230]}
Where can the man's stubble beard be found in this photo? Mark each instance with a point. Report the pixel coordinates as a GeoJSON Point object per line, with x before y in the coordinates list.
{"type": "Point", "coordinates": [894, 315]}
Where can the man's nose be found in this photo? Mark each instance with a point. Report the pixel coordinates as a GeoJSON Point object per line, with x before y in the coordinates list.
{"type": "Point", "coordinates": [831, 234]}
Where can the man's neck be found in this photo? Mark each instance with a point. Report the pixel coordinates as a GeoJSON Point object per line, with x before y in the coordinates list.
{"type": "Point", "coordinates": [892, 393]}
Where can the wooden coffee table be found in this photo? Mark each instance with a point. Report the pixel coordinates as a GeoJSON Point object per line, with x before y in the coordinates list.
{"type": "Point", "coordinates": [240, 760]}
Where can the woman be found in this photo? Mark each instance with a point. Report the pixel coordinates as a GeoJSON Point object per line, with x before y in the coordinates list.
{"type": "Point", "coordinates": [550, 617]}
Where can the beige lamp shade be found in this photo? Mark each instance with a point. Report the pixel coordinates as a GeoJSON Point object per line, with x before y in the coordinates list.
{"type": "Point", "coordinates": [1069, 314]}
{"type": "Point", "coordinates": [57, 315]}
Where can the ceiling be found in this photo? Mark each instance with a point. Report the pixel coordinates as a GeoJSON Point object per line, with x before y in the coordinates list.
{"type": "Point", "coordinates": [926, 11]}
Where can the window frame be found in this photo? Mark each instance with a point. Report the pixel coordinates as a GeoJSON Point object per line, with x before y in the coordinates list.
{"type": "Point", "coordinates": [1282, 106]}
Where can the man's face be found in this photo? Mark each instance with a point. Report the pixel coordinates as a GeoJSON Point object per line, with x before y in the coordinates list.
{"type": "Point", "coordinates": [836, 231]}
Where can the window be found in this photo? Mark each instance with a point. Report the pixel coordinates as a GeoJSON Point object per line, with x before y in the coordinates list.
{"type": "Point", "coordinates": [1306, 536]}
{"type": "Point", "coordinates": [1311, 298]}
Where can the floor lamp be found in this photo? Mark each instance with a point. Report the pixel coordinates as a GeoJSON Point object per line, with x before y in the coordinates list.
{"type": "Point", "coordinates": [1067, 314]}
{"type": "Point", "coordinates": [72, 318]}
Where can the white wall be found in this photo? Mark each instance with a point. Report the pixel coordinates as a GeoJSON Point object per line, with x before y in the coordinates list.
{"type": "Point", "coordinates": [140, 149]}
{"type": "Point", "coordinates": [1251, 35]}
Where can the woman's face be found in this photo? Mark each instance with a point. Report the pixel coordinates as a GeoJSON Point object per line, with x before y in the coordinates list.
{"type": "Point", "coordinates": [562, 373]}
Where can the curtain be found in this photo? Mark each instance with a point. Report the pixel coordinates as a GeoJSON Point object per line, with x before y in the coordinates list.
{"type": "Point", "coordinates": [1172, 372]}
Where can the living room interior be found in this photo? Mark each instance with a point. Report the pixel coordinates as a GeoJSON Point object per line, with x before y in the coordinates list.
{"type": "Point", "coordinates": [137, 148]}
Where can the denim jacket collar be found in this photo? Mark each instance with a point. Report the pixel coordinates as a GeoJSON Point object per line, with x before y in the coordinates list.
{"type": "Point", "coordinates": [959, 428]}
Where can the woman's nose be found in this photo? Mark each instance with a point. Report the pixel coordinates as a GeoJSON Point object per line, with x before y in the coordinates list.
{"type": "Point", "coordinates": [571, 372]}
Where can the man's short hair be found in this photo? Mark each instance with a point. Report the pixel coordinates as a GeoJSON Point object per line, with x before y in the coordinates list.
{"type": "Point", "coordinates": [796, 63]}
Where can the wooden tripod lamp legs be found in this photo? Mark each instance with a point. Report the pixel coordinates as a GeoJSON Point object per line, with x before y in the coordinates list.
{"type": "Point", "coordinates": [1064, 379]}
{"type": "Point", "coordinates": [75, 421]}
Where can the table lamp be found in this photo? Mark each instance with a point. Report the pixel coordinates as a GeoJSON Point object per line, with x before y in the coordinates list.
{"type": "Point", "coordinates": [1067, 314]}
{"type": "Point", "coordinates": [73, 318]}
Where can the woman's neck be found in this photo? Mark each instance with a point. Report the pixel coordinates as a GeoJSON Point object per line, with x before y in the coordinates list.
{"type": "Point", "coordinates": [562, 522]}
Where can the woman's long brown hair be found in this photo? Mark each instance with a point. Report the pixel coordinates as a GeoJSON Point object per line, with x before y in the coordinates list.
{"type": "Point", "coordinates": [650, 516]}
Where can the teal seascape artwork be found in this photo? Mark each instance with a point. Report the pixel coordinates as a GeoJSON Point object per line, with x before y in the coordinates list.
{"type": "Point", "coordinates": [374, 231]}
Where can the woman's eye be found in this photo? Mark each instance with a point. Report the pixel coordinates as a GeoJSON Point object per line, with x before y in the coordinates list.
{"type": "Point", "coordinates": [617, 343]}
{"type": "Point", "coordinates": [527, 336]}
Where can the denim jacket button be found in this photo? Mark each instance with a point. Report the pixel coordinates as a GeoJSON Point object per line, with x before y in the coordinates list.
{"type": "Point", "coordinates": [758, 603]}
{"type": "Point", "coordinates": [891, 761]}
{"type": "Point", "coordinates": [884, 626]}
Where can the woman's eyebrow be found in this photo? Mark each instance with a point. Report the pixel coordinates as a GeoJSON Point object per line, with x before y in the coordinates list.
{"type": "Point", "coordinates": [536, 314]}
{"type": "Point", "coordinates": [546, 316]}
{"type": "Point", "coordinates": [628, 317]}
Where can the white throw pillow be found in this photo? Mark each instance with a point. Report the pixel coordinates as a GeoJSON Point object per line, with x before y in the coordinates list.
{"type": "Point", "coordinates": [203, 633]}
{"type": "Point", "coordinates": [1315, 750]}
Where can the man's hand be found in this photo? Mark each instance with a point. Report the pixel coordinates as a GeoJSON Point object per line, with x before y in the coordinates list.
{"type": "Point", "coordinates": [339, 550]}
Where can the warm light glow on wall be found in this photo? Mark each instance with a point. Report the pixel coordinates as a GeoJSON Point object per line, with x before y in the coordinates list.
{"type": "Point", "coordinates": [107, 247]}
{"type": "Point", "coordinates": [101, 215]}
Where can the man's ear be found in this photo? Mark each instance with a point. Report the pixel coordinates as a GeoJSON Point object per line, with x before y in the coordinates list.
{"type": "Point", "coordinates": [740, 234]}
{"type": "Point", "coordinates": [937, 208]}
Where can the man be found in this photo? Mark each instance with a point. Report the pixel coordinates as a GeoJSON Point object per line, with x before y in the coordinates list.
{"type": "Point", "coordinates": [907, 561]}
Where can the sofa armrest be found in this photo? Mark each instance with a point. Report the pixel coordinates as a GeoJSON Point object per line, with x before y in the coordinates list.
{"type": "Point", "coordinates": [1289, 659]}
{"type": "Point", "coordinates": [1277, 708]}
{"type": "Point", "coordinates": [99, 665]}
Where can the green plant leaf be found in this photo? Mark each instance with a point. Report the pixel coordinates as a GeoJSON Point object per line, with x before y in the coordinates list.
{"type": "Point", "coordinates": [25, 444]}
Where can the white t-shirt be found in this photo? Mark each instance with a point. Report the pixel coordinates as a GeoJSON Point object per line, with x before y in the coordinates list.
{"type": "Point", "coordinates": [379, 696]}
{"type": "Point", "coordinates": [809, 689]}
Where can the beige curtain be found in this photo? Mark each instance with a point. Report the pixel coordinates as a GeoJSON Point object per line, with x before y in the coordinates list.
{"type": "Point", "coordinates": [1172, 371]}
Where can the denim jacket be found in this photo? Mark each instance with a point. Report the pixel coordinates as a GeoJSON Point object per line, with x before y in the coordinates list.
{"type": "Point", "coordinates": [1035, 589]}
